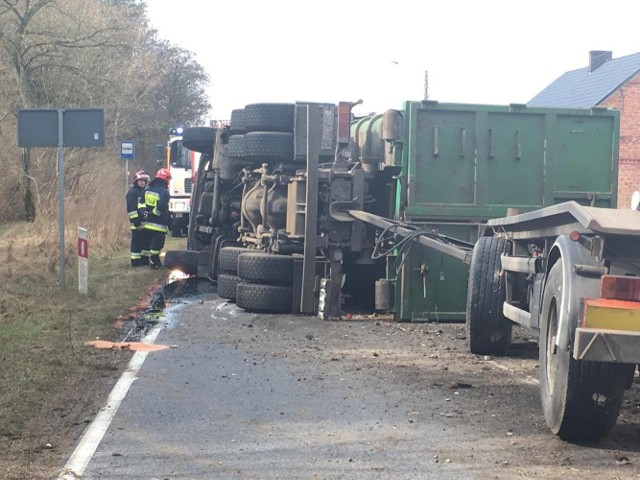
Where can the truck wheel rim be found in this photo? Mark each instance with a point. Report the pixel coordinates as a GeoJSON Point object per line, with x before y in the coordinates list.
{"type": "Point", "coordinates": [552, 354]}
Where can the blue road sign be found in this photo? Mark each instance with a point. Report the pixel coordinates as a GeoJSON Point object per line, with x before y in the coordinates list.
{"type": "Point", "coordinates": [127, 150]}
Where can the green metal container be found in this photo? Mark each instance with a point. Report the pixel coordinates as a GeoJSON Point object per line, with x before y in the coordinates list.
{"type": "Point", "coordinates": [475, 161]}
{"type": "Point", "coordinates": [432, 286]}
{"type": "Point", "coordinates": [464, 164]}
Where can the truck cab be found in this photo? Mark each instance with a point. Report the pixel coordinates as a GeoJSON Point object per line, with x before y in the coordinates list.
{"type": "Point", "coordinates": [182, 163]}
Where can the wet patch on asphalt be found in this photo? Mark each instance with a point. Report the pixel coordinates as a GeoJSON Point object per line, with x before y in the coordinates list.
{"type": "Point", "coordinates": [163, 305]}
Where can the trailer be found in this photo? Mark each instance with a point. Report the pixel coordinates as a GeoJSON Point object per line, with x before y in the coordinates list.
{"type": "Point", "coordinates": [570, 274]}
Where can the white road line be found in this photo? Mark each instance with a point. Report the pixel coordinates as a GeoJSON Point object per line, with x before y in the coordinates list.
{"type": "Point", "coordinates": [92, 437]}
{"type": "Point", "coordinates": [526, 378]}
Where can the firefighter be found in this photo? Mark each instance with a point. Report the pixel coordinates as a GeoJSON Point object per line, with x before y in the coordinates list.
{"type": "Point", "coordinates": [156, 199]}
{"type": "Point", "coordinates": [136, 211]}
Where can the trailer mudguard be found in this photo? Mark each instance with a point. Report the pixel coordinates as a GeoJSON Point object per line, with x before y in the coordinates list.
{"type": "Point", "coordinates": [575, 287]}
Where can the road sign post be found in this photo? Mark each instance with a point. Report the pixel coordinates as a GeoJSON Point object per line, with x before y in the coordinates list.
{"type": "Point", "coordinates": [82, 127]}
{"type": "Point", "coordinates": [83, 260]}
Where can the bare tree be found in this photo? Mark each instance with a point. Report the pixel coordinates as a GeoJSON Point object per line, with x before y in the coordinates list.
{"type": "Point", "coordinates": [39, 38]}
{"type": "Point", "coordinates": [14, 41]}
{"type": "Point", "coordinates": [91, 53]}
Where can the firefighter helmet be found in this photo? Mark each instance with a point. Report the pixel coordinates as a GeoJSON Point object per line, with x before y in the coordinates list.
{"type": "Point", "coordinates": [141, 175]}
{"type": "Point", "coordinates": [163, 174]}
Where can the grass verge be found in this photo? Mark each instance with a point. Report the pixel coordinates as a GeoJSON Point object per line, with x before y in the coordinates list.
{"type": "Point", "coordinates": [51, 384]}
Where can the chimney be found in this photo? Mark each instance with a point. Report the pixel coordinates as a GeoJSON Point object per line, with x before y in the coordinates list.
{"type": "Point", "coordinates": [597, 58]}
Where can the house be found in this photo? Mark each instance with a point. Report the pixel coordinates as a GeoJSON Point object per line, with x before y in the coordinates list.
{"type": "Point", "coordinates": [606, 82]}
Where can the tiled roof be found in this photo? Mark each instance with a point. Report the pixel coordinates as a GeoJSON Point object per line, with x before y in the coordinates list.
{"type": "Point", "coordinates": [583, 89]}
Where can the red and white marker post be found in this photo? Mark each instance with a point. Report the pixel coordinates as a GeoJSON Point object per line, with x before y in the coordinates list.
{"type": "Point", "coordinates": [83, 260]}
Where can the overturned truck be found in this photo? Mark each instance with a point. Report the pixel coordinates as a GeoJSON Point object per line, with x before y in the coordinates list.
{"type": "Point", "coordinates": [270, 222]}
{"type": "Point", "coordinates": [492, 215]}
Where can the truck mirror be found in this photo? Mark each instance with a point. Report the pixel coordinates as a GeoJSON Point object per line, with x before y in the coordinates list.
{"type": "Point", "coordinates": [161, 153]}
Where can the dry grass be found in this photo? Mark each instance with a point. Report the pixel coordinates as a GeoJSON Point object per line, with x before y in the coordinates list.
{"type": "Point", "coordinates": [43, 329]}
{"type": "Point", "coordinates": [32, 251]}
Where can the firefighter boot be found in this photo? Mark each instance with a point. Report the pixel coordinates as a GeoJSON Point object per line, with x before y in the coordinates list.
{"type": "Point", "coordinates": [156, 262]}
{"type": "Point", "coordinates": [135, 262]}
{"type": "Point", "coordinates": [144, 260]}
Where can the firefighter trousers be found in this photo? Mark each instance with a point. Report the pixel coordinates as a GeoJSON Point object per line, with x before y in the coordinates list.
{"type": "Point", "coordinates": [139, 247]}
{"type": "Point", "coordinates": [156, 244]}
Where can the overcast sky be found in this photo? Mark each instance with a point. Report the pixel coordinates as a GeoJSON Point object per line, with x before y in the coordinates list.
{"type": "Point", "coordinates": [475, 51]}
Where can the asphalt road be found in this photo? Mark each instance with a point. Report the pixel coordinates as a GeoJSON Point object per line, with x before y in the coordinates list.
{"type": "Point", "coordinates": [245, 396]}
{"type": "Point", "coordinates": [209, 408]}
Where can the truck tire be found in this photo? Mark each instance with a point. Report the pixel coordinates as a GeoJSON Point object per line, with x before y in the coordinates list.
{"type": "Point", "coordinates": [227, 286]}
{"type": "Point", "coordinates": [236, 122]}
{"type": "Point", "coordinates": [184, 260]}
{"type": "Point", "coordinates": [268, 117]}
{"type": "Point", "coordinates": [234, 146]}
{"type": "Point", "coordinates": [228, 259]}
{"type": "Point", "coordinates": [581, 400]}
{"type": "Point", "coordinates": [258, 267]}
{"type": "Point", "coordinates": [254, 297]}
{"type": "Point", "coordinates": [199, 139]}
{"type": "Point", "coordinates": [268, 147]}
{"type": "Point", "coordinates": [488, 331]}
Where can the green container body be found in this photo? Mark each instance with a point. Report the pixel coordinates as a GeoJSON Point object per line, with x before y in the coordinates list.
{"type": "Point", "coordinates": [432, 286]}
{"type": "Point", "coordinates": [464, 164]}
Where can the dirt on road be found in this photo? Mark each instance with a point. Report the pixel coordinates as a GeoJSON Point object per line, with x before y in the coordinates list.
{"type": "Point", "coordinates": [488, 405]}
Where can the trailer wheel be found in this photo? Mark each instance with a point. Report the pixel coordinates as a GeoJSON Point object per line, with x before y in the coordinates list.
{"type": "Point", "coordinates": [254, 297]}
{"type": "Point", "coordinates": [488, 331]}
{"type": "Point", "coordinates": [268, 117]}
{"type": "Point", "coordinates": [199, 139]}
{"type": "Point", "coordinates": [259, 267]}
{"type": "Point", "coordinates": [184, 260]}
{"type": "Point", "coordinates": [228, 259]}
{"type": "Point", "coordinates": [227, 286]}
{"type": "Point", "coordinates": [581, 400]}
{"type": "Point", "coordinates": [267, 147]}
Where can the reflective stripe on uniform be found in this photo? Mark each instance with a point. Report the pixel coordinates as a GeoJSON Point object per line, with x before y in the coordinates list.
{"type": "Point", "coordinates": [156, 227]}
{"type": "Point", "coordinates": [133, 214]}
{"type": "Point", "coordinates": [154, 252]}
{"type": "Point", "coordinates": [135, 256]}
{"type": "Point", "coordinates": [151, 199]}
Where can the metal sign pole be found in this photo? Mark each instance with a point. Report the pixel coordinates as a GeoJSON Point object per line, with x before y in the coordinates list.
{"type": "Point", "coordinates": [61, 192]}
{"type": "Point", "coordinates": [126, 176]}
